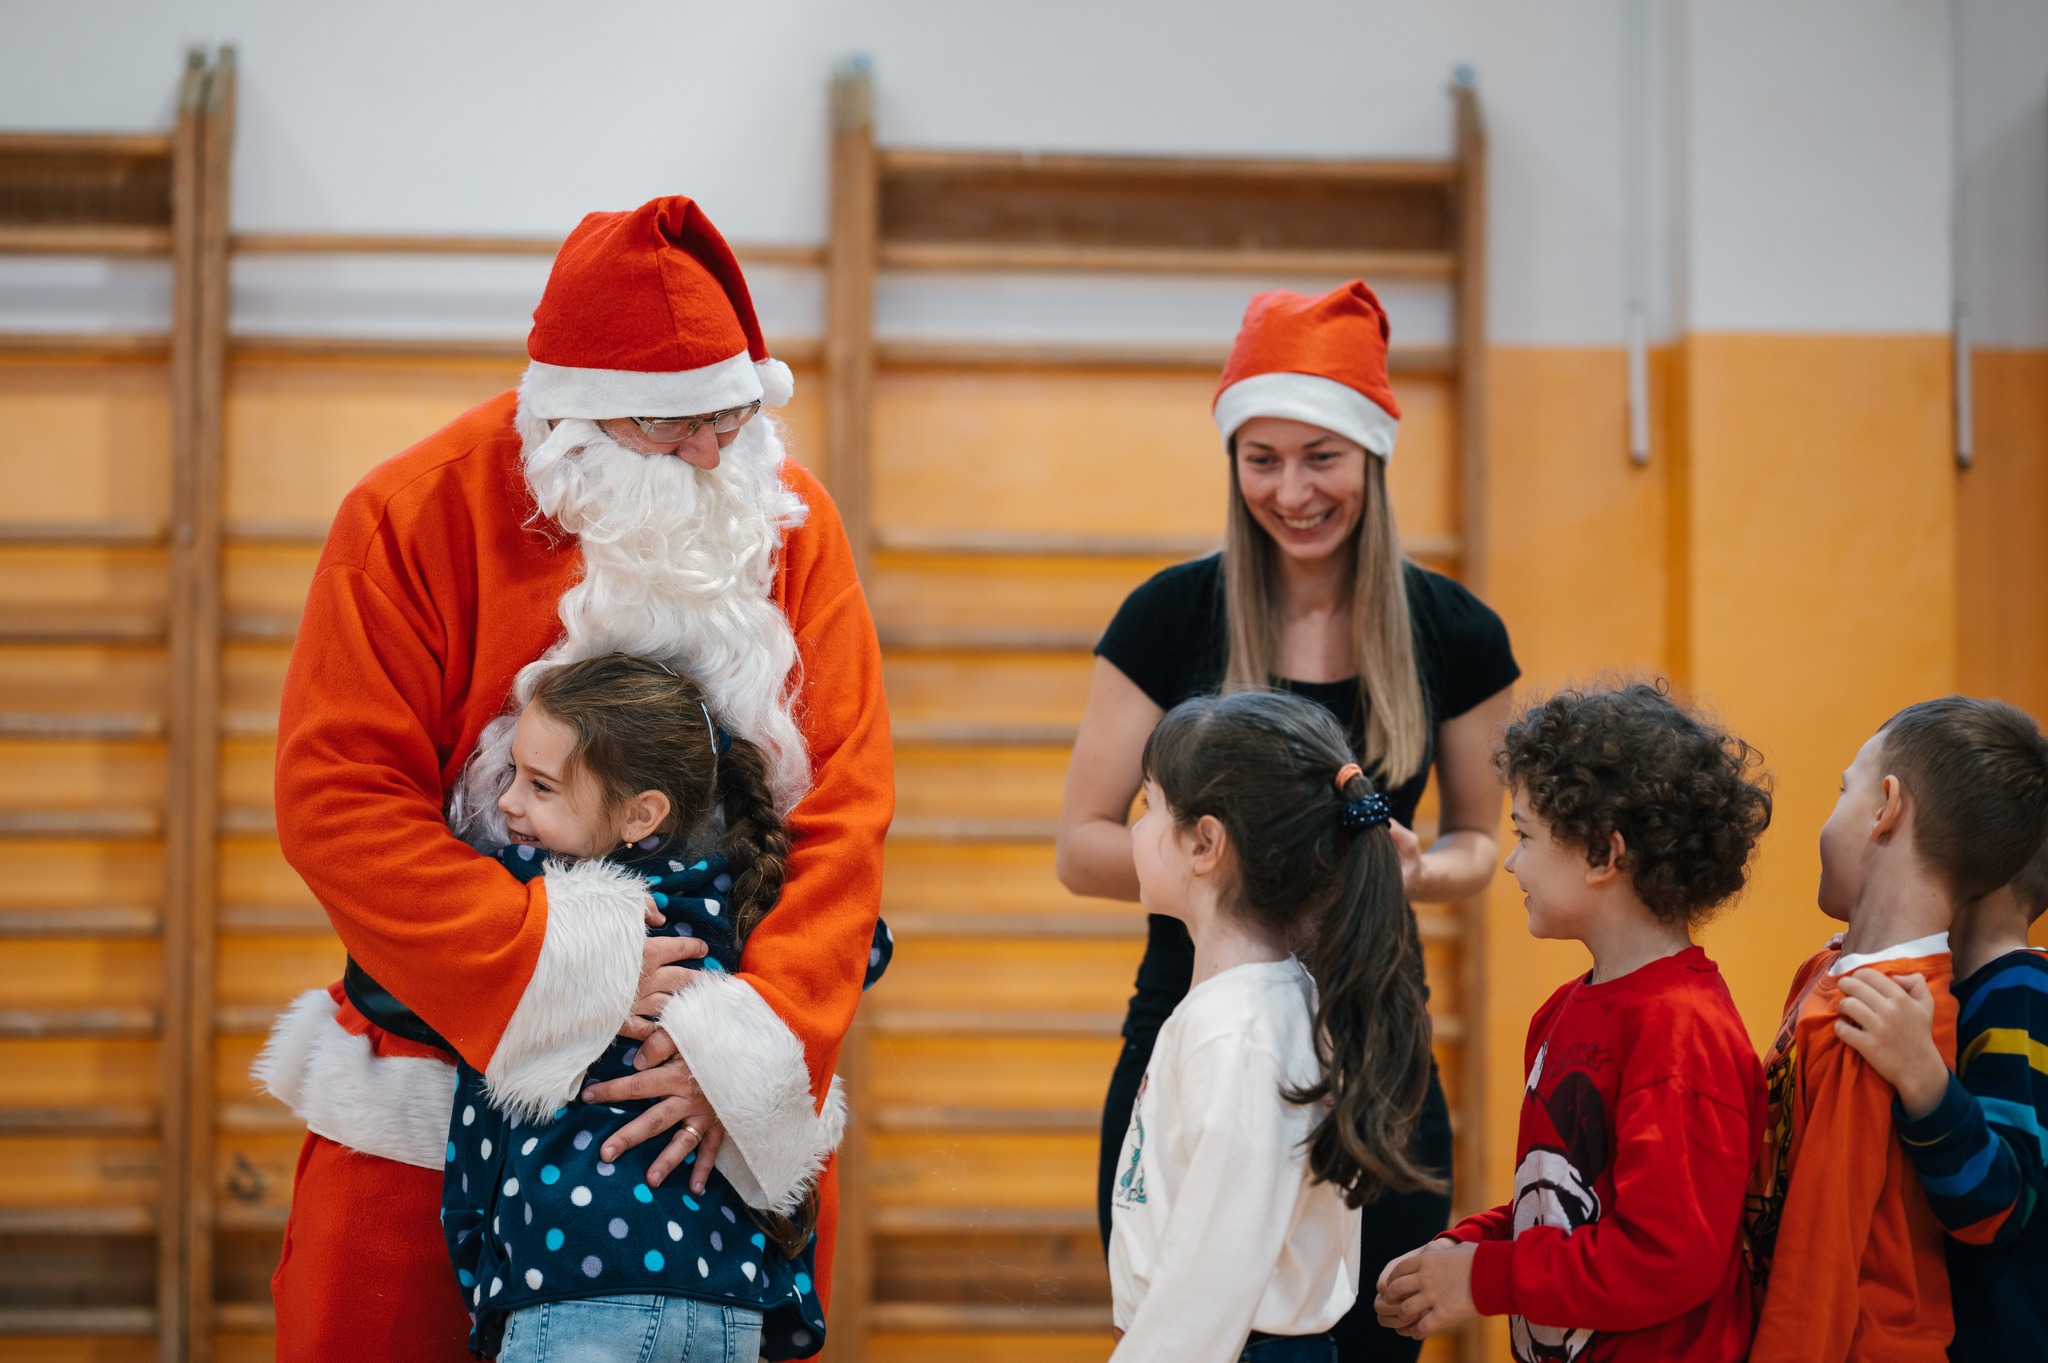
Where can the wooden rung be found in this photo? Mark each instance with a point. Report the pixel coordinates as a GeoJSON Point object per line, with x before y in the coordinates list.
{"type": "Point", "coordinates": [1447, 1027]}
{"type": "Point", "coordinates": [930, 1318]}
{"type": "Point", "coordinates": [983, 1221]}
{"type": "Point", "coordinates": [77, 1220]}
{"type": "Point", "coordinates": [1071, 1120]}
{"type": "Point", "coordinates": [932, 828]}
{"type": "Point", "coordinates": [86, 534]}
{"type": "Point", "coordinates": [992, 639]}
{"type": "Point", "coordinates": [994, 1022]}
{"type": "Point", "coordinates": [17, 1322]}
{"type": "Point", "coordinates": [87, 146]}
{"type": "Point", "coordinates": [244, 1317]}
{"type": "Point", "coordinates": [98, 345]}
{"type": "Point", "coordinates": [1042, 543]}
{"type": "Point", "coordinates": [248, 723]}
{"type": "Point", "coordinates": [243, 1216]}
{"type": "Point", "coordinates": [80, 627]}
{"type": "Point", "coordinates": [260, 627]}
{"type": "Point", "coordinates": [40, 1023]}
{"type": "Point", "coordinates": [246, 1019]}
{"type": "Point", "coordinates": [969, 257]}
{"type": "Point", "coordinates": [80, 725]}
{"type": "Point", "coordinates": [111, 824]}
{"type": "Point", "coordinates": [1247, 173]}
{"type": "Point", "coordinates": [79, 923]}
{"type": "Point", "coordinates": [794, 255]}
{"type": "Point", "coordinates": [258, 1118]}
{"type": "Point", "coordinates": [77, 1121]}
{"type": "Point", "coordinates": [299, 534]}
{"type": "Point", "coordinates": [85, 239]}
{"type": "Point", "coordinates": [281, 918]}
{"type": "Point", "coordinates": [1035, 925]}
{"type": "Point", "coordinates": [977, 733]}
{"type": "Point", "coordinates": [247, 823]}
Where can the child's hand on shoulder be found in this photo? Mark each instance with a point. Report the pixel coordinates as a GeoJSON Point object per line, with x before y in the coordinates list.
{"type": "Point", "coordinates": [1427, 1290]}
{"type": "Point", "coordinates": [1890, 1023]}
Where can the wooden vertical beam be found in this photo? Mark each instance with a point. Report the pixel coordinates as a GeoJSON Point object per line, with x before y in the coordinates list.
{"type": "Point", "coordinates": [174, 1049]}
{"type": "Point", "coordinates": [1471, 345]}
{"type": "Point", "coordinates": [191, 854]}
{"type": "Point", "coordinates": [850, 257]}
{"type": "Point", "coordinates": [853, 1259]}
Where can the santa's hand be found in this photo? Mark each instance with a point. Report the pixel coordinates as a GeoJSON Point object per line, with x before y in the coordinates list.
{"type": "Point", "coordinates": [660, 979]}
{"type": "Point", "coordinates": [680, 1104]}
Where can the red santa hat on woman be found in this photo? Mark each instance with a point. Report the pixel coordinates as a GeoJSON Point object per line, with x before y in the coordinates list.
{"type": "Point", "coordinates": [646, 314]}
{"type": "Point", "coordinates": [1319, 360]}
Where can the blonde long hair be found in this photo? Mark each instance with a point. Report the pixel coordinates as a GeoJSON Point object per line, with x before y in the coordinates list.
{"type": "Point", "coordinates": [1382, 637]}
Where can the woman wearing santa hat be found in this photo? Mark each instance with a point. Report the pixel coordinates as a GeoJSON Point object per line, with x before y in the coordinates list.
{"type": "Point", "coordinates": [1311, 594]}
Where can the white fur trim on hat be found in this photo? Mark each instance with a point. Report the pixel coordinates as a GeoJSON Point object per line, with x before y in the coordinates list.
{"type": "Point", "coordinates": [752, 1071]}
{"type": "Point", "coordinates": [553, 392]}
{"type": "Point", "coordinates": [391, 1106]}
{"type": "Point", "coordinates": [581, 991]}
{"type": "Point", "coordinates": [1311, 398]}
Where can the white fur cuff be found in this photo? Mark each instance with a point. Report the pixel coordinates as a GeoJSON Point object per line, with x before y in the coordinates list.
{"type": "Point", "coordinates": [751, 1068]}
{"type": "Point", "coordinates": [395, 1107]}
{"type": "Point", "coordinates": [581, 992]}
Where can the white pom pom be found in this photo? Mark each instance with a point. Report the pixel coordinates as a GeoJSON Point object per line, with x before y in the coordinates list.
{"type": "Point", "coordinates": [778, 385]}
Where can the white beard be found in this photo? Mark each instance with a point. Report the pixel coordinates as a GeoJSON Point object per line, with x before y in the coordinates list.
{"type": "Point", "coordinates": [678, 565]}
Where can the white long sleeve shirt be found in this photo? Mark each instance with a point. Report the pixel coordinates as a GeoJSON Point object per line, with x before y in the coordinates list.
{"type": "Point", "coordinates": [1216, 1229]}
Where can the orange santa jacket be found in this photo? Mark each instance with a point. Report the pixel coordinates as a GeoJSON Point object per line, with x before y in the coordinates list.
{"type": "Point", "coordinates": [434, 589]}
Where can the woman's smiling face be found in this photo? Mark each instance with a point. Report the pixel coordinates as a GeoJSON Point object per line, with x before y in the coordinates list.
{"type": "Point", "coordinates": [1305, 486]}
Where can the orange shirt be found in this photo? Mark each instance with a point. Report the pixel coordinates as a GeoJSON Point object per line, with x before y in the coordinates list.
{"type": "Point", "coordinates": [433, 591]}
{"type": "Point", "coordinates": [1844, 1249]}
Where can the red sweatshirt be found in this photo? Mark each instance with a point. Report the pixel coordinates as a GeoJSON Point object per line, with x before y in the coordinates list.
{"type": "Point", "coordinates": [1641, 1118]}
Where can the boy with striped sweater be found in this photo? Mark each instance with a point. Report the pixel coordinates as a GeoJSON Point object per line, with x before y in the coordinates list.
{"type": "Point", "coordinates": [1978, 1135]}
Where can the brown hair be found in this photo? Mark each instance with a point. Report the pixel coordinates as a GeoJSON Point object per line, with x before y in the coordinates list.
{"type": "Point", "coordinates": [1264, 764]}
{"type": "Point", "coordinates": [1687, 797]}
{"type": "Point", "coordinates": [641, 727]}
{"type": "Point", "coordinates": [1976, 776]}
{"type": "Point", "coordinates": [1382, 637]}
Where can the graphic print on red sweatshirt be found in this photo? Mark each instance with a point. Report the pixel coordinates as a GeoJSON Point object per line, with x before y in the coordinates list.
{"type": "Point", "coordinates": [1555, 1182]}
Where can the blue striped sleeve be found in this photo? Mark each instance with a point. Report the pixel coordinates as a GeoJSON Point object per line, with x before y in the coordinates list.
{"type": "Point", "coordinates": [1982, 1154]}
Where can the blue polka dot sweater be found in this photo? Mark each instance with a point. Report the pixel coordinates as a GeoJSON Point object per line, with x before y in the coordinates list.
{"type": "Point", "coordinates": [531, 1214]}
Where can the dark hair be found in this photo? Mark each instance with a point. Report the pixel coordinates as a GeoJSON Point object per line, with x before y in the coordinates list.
{"type": "Point", "coordinates": [641, 727]}
{"type": "Point", "coordinates": [1976, 775]}
{"type": "Point", "coordinates": [2030, 886]}
{"type": "Point", "coordinates": [1687, 797]}
{"type": "Point", "coordinates": [1264, 764]}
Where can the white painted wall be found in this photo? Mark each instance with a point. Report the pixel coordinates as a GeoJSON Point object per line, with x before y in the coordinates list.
{"type": "Point", "coordinates": [1812, 149]}
{"type": "Point", "coordinates": [2002, 114]}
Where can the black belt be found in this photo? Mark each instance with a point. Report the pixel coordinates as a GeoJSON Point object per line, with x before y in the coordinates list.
{"type": "Point", "coordinates": [382, 1007]}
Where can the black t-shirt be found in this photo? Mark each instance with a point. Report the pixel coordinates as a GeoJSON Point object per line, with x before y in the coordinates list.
{"type": "Point", "coordinates": [1170, 638]}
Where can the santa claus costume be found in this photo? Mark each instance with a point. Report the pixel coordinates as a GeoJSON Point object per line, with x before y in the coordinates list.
{"type": "Point", "coordinates": [516, 538]}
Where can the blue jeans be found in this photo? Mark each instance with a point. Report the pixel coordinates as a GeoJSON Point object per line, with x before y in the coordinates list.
{"type": "Point", "coordinates": [636, 1329]}
{"type": "Point", "coordinates": [1290, 1349]}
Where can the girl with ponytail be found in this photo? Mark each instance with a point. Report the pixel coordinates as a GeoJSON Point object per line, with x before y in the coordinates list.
{"type": "Point", "coordinates": [1284, 1089]}
{"type": "Point", "coordinates": [565, 1242]}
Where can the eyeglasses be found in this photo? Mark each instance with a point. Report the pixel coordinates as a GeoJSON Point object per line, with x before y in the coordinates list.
{"type": "Point", "coordinates": [668, 430]}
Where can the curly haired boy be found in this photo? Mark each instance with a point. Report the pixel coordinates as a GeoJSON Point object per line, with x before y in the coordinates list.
{"type": "Point", "coordinates": [1643, 1110]}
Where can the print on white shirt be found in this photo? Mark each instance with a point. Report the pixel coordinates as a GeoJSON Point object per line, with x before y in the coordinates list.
{"type": "Point", "coordinates": [1130, 1185]}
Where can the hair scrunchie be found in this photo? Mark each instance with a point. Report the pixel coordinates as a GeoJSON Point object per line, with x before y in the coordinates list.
{"type": "Point", "coordinates": [1359, 815]}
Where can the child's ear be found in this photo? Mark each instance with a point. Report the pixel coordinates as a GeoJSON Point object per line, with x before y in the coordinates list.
{"type": "Point", "coordinates": [1891, 812]}
{"type": "Point", "coordinates": [1208, 844]}
{"type": "Point", "coordinates": [1604, 871]}
{"type": "Point", "coordinates": [643, 814]}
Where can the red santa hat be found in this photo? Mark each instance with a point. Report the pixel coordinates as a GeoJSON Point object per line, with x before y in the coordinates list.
{"type": "Point", "coordinates": [646, 314]}
{"type": "Point", "coordinates": [1319, 360]}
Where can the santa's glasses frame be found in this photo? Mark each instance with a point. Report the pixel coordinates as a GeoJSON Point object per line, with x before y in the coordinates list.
{"type": "Point", "coordinates": [668, 430]}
